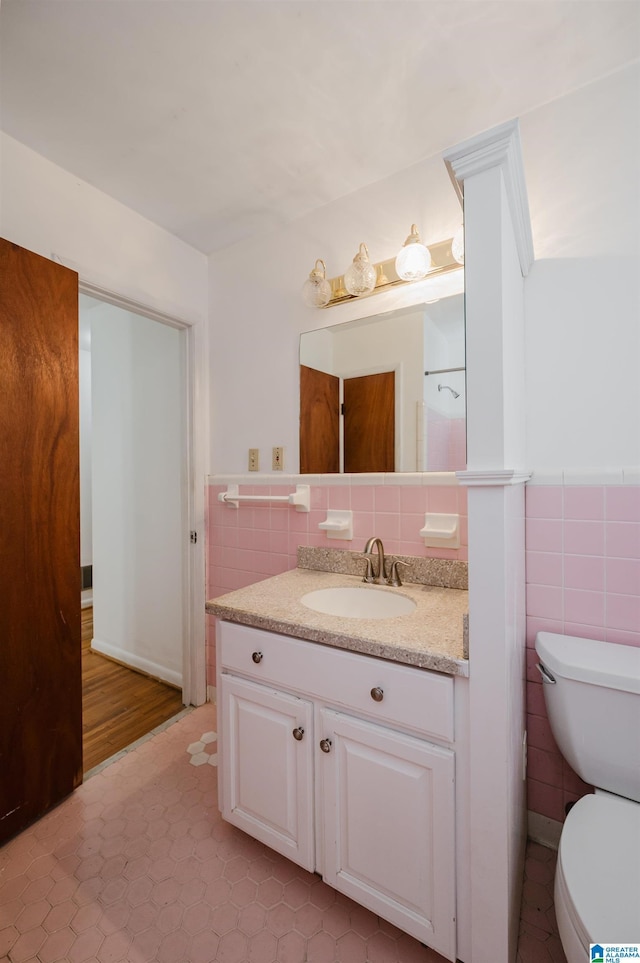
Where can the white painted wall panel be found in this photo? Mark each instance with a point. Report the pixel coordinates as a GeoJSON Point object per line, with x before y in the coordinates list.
{"type": "Point", "coordinates": [138, 478]}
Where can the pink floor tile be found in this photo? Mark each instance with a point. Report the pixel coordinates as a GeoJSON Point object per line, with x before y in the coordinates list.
{"type": "Point", "coordinates": [137, 866]}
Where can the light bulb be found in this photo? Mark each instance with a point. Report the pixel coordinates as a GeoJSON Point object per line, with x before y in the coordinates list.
{"type": "Point", "coordinates": [414, 259]}
{"type": "Point", "coordinates": [457, 245]}
{"type": "Point", "coordinates": [316, 290]}
{"type": "Point", "coordinates": [360, 277]}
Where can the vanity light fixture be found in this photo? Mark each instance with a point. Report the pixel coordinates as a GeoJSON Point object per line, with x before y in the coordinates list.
{"type": "Point", "coordinates": [363, 278]}
{"type": "Point", "coordinates": [457, 245]}
{"type": "Point", "coordinates": [413, 260]}
{"type": "Point", "coordinates": [316, 290]}
{"type": "Point", "coordinates": [360, 276]}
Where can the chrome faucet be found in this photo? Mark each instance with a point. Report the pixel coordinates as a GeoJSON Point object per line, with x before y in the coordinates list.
{"type": "Point", "coordinates": [371, 575]}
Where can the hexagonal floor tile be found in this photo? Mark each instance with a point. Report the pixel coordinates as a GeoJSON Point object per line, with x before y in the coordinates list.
{"type": "Point", "coordinates": [138, 865]}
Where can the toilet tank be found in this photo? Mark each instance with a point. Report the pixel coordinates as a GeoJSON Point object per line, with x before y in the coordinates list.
{"type": "Point", "coordinates": [594, 708]}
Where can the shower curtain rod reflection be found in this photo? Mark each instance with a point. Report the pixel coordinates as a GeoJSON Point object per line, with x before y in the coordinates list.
{"type": "Point", "coordinates": [444, 371]}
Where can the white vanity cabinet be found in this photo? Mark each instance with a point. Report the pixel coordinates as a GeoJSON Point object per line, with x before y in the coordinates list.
{"type": "Point", "coordinates": [345, 764]}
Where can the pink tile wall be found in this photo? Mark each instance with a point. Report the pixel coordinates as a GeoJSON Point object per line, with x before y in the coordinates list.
{"type": "Point", "coordinates": [446, 442]}
{"type": "Point", "coordinates": [253, 542]}
{"type": "Point", "coordinates": [583, 579]}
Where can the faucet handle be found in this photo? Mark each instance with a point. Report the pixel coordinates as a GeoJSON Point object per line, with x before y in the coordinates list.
{"type": "Point", "coordinates": [394, 576]}
{"type": "Point", "coordinates": [368, 575]}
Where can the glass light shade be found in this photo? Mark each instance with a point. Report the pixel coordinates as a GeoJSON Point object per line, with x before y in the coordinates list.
{"type": "Point", "coordinates": [457, 245]}
{"type": "Point", "coordinates": [360, 277]}
{"type": "Point", "coordinates": [316, 290]}
{"type": "Point", "coordinates": [414, 259]}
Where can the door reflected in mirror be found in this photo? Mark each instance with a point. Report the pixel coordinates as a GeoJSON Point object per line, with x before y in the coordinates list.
{"type": "Point", "coordinates": [385, 393]}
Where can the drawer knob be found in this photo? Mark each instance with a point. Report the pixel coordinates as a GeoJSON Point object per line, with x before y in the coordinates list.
{"type": "Point", "coordinates": [377, 694]}
{"type": "Point", "coordinates": [298, 734]}
{"type": "Point", "coordinates": [325, 745]}
{"type": "Point", "coordinates": [257, 657]}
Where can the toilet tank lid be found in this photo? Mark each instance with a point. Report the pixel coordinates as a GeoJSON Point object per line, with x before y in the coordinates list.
{"type": "Point", "coordinates": [607, 664]}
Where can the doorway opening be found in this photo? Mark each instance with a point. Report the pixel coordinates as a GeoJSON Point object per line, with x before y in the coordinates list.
{"type": "Point", "coordinates": [119, 705]}
{"type": "Point", "coordinates": [134, 505]}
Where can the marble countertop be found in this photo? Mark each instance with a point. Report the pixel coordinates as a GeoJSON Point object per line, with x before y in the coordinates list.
{"type": "Point", "coordinates": [433, 636]}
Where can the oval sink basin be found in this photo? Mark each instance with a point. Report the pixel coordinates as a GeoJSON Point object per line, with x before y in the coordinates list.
{"type": "Point", "coordinates": [350, 602]}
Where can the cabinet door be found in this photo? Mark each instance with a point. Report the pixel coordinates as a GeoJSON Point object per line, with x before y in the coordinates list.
{"type": "Point", "coordinates": [267, 770]}
{"type": "Point", "coordinates": [388, 810]}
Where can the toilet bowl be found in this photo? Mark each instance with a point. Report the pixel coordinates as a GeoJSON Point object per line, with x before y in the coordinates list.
{"type": "Point", "coordinates": [592, 695]}
{"type": "Point", "coordinates": [597, 884]}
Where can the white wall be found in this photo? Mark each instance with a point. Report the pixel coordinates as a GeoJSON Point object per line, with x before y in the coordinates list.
{"type": "Point", "coordinates": [317, 349]}
{"type": "Point", "coordinates": [137, 372]}
{"type": "Point", "coordinates": [48, 210]}
{"type": "Point", "coordinates": [582, 298]}
{"type": "Point", "coordinates": [257, 311]}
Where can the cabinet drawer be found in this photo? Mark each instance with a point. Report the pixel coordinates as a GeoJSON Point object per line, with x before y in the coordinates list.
{"type": "Point", "coordinates": [411, 698]}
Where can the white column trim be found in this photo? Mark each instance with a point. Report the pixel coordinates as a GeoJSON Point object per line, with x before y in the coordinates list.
{"type": "Point", "coordinates": [499, 147]}
{"type": "Point", "coordinates": [492, 479]}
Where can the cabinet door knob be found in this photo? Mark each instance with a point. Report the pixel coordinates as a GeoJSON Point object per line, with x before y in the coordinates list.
{"type": "Point", "coordinates": [377, 694]}
{"type": "Point", "coordinates": [257, 657]}
{"type": "Point", "coordinates": [325, 745]}
{"type": "Point", "coordinates": [298, 733]}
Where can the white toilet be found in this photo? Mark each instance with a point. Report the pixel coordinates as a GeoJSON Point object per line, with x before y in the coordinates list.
{"type": "Point", "coordinates": [592, 694]}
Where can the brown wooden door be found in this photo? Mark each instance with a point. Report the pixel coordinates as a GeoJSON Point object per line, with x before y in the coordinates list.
{"type": "Point", "coordinates": [319, 421]}
{"type": "Point", "coordinates": [40, 669]}
{"type": "Point", "coordinates": [369, 423]}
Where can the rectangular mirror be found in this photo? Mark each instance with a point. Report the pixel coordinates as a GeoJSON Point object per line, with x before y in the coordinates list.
{"type": "Point", "coordinates": [385, 393]}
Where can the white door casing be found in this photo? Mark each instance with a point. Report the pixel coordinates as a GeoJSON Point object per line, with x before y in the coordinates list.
{"type": "Point", "coordinates": [189, 570]}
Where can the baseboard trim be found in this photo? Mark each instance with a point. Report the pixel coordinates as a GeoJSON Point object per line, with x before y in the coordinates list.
{"type": "Point", "coordinates": [212, 693]}
{"type": "Point", "coordinates": [132, 661]}
{"type": "Point", "coordinates": [543, 830]}
{"type": "Point", "coordinates": [86, 599]}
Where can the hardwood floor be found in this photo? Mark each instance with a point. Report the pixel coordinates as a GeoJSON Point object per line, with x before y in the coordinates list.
{"type": "Point", "coordinates": [119, 705]}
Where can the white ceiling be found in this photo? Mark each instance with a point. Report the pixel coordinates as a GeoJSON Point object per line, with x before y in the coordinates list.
{"type": "Point", "coordinates": [222, 119]}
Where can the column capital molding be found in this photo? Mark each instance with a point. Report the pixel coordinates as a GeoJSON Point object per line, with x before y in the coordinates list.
{"type": "Point", "coordinates": [500, 148]}
{"type": "Point", "coordinates": [493, 478]}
